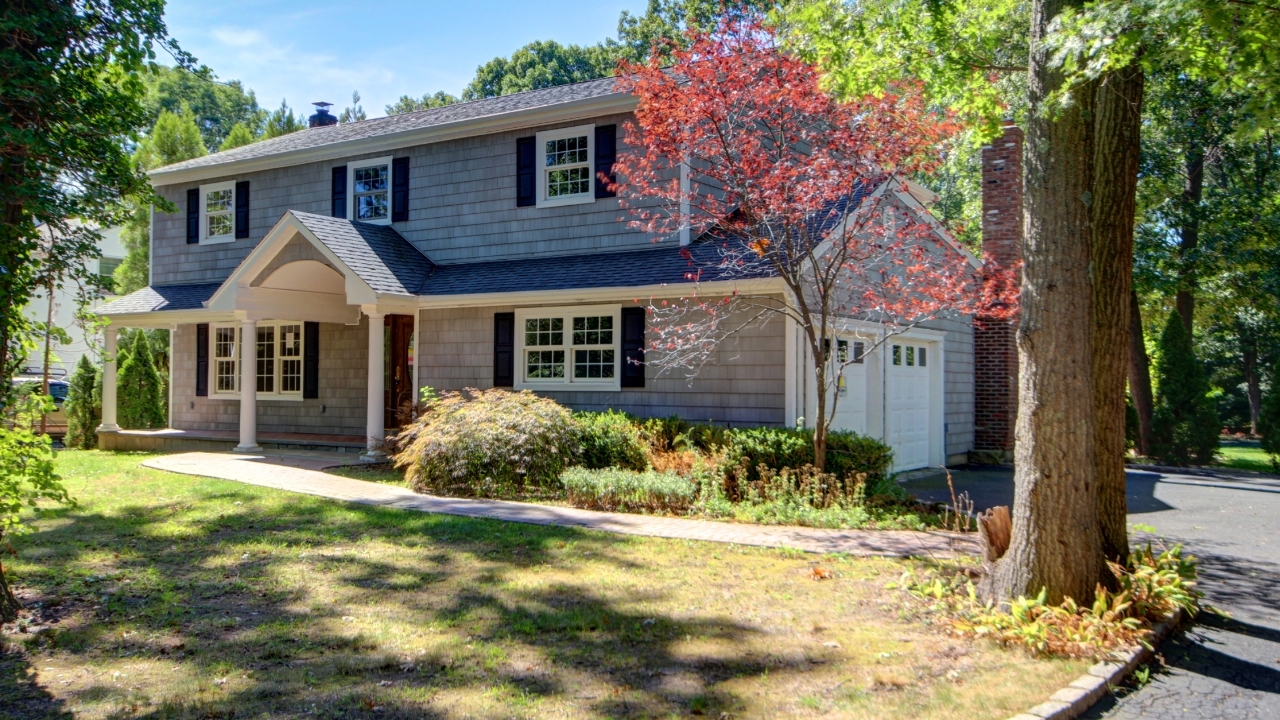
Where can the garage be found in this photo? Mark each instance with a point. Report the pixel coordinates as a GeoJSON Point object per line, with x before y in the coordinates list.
{"type": "Point", "coordinates": [908, 403]}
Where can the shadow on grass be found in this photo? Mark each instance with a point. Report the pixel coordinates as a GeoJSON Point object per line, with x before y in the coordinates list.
{"type": "Point", "coordinates": [206, 593]}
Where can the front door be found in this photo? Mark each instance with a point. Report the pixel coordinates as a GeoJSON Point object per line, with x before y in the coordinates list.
{"type": "Point", "coordinates": [398, 381]}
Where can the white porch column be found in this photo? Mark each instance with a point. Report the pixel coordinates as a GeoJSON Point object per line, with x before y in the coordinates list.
{"type": "Point", "coordinates": [248, 387]}
{"type": "Point", "coordinates": [173, 352]}
{"type": "Point", "coordinates": [375, 433]}
{"type": "Point", "coordinates": [109, 380]}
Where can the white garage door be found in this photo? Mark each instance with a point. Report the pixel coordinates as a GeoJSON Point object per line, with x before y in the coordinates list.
{"type": "Point", "coordinates": [907, 405]}
{"type": "Point", "coordinates": [851, 408]}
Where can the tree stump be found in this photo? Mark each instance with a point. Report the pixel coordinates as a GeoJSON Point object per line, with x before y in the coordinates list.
{"type": "Point", "coordinates": [995, 528]}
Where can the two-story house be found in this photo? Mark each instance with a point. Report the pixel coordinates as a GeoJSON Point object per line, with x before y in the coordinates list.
{"type": "Point", "coordinates": [314, 282]}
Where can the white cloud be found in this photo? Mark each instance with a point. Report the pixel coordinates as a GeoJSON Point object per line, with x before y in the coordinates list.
{"type": "Point", "coordinates": [239, 37]}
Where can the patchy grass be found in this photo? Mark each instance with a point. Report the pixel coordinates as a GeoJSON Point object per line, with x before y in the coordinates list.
{"type": "Point", "coordinates": [1245, 457]}
{"type": "Point", "coordinates": [167, 596]}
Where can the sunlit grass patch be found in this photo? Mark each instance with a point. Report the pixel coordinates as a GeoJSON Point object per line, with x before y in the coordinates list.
{"type": "Point", "coordinates": [174, 596]}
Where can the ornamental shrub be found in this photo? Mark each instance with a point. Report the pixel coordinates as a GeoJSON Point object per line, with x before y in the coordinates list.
{"type": "Point", "coordinates": [621, 490]}
{"type": "Point", "coordinates": [849, 455]}
{"type": "Point", "coordinates": [84, 405]}
{"type": "Point", "coordinates": [674, 434]}
{"type": "Point", "coordinates": [140, 392]}
{"type": "Point", "coordinates": [611, 439]}
{"type": "Point", "coordinates": [1184, 427]}
{"type": "Point", "coordinates": [491, 443]}
{"type": "Point", "coordinates": [1269, 418]}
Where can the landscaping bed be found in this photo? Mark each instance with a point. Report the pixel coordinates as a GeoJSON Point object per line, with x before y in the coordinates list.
{"type": "Point", "coordinates": [170, 596]}
{"type": "Point", "coordinates": [500, 444]}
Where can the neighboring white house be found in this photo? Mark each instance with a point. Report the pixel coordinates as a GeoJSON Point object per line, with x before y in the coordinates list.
{"type": "Point", "coordinates": [65, 356]}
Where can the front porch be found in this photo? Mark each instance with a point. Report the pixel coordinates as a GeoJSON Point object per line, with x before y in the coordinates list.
{"type": "Point", "coordinates": [174, 440]}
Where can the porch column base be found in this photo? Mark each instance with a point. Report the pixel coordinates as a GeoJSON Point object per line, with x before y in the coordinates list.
{"type": "Point", "coordinates": [248, 449]}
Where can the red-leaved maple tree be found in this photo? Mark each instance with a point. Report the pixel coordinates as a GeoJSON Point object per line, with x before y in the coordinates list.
{"type": "Point", "coordinates": [738, 152]}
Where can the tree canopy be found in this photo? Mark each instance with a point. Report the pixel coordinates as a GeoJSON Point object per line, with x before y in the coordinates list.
{"type": "Point", "coordinates": [215, 106]}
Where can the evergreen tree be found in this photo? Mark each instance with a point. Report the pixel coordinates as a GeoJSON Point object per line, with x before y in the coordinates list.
{"type": "Point", "coordinates": [140, 392]}
{"type": "Point", "coordinates": [355, 113]}
{"type": "Point", "coordinates": [1185, 425]}
{"type": "Point", "coordinates": [407, 104]}
{"type": "Point", "coordinates": [282, 121]}
{"type": "Point", "coordinates": [1269, 418]}
{"type": "Point", "coordinates": [83, 406]}
{"type": "Point", "coordinates": [240, 135]}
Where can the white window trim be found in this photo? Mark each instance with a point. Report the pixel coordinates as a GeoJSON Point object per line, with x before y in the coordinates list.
{"type": "Point", "coordinates": [351, 188]}
{"type": "Point", "coordinates": [204, 219]}
{"type": "Point", "coordinates": [540, 160]}
{"type": "Point", "coordinates": [214, 394]}
{"type": "Point", "coordinates": [568, 383]}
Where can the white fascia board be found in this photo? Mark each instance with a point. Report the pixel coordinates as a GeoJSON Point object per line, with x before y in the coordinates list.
{"type": "Point", "coordinates": [224, 298]}
{"type": "Point", "coordinates": [167, 318]}
{"type": "Point", "coordinates": [533, 117]}
{"type": "Point", "coordinates": [624, 294]}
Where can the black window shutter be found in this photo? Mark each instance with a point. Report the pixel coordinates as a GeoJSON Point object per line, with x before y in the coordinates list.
{"type": "Point", "coordinates": [633, 347]}
{"type": "Point", "coordinates": [400, 189]}
{"type": "Point", "coordinates": [193, 216]}
{"type": "Point", "coordinates": [526, 167]}
{"type": "Point", "coordinates": [311, 359]}
{"type": "Point", "coordinates": [606, 153]}
{"type": "Point", "coordinates": [202, 360]}
{"type": "Point", "coordinates": [504, 349]}
{"type": "Point", "coordinates": [242, 209]}
{"type": "Point", "coordinates": [339, 208]}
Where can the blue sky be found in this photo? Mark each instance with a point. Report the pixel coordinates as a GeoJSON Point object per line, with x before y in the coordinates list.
{"type": "Point", "coordinates": [324, 49]}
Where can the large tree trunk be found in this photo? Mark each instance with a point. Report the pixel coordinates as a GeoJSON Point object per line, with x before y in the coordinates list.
{"type": "Point", "coordinates": [9, 605]}
{"type": "Point", "coordinates": [1057, 544]}
{"type": "Point", "coordinates": [1253, 387]}
{"type": "Point", "coordinates": [1117, 144]}
{"type": "Point", "coordinates": [1140, 375]}
{"type": "Point", "coordinates": [1189, 236]}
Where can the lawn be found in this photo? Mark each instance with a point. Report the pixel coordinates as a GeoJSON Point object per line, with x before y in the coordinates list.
{"type": "Point", "coordinates": [163, 596]}
{"type": "Point", "coordinates": [1245, 457]}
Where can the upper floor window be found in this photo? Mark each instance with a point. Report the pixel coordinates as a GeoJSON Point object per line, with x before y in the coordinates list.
{"type": "Point", "coordinates": [369, 194]}
{"type": "Point", "coordinates": [217, 213]}
{"type": "Point", "coordinates": [566, 161]}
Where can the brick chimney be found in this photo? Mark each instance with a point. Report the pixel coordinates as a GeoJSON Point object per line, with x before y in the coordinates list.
{"type": "Point", "coordinates": [995, 348]}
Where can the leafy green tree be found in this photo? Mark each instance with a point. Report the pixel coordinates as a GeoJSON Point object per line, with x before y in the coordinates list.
{"type": "Point", "coordinates": [83, 405]}
{"type": "Point", "coordinates": [71, 92]}
{"type": "Point", "coordinates": [174, 138]}
{"type": "Point", "coordinates": [1185, 425]}
{"type": "Point", "coordinates": [1269, 418]}
{"type": "Point", "coordinates": [355, 113]}
{"type": "Point", "coordinates": [216, 106]}
{"type": "Point", "coordinates": [407, 104]}
{"type": "Point", "coordinates": [240, 135]}
{"type": "Point", "coordinates": [282, 121]}
{"type": "Point", "coordinates": [542, 64]}
{"type": "Point", "coordinates": [26, 478]}
{"type": "Point", "coordinates": [140, 390]}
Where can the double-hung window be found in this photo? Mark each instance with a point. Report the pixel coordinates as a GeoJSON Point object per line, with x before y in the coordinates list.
{"type": "Point", "coordinates": [369, 190]}
{"type": "Point", "coordinates": [279, 360]}
{"type": "Point", "coordinates": [217, 213]}
{"type": "Point", "coordinates": [559, 347]}
{"type": "Point", "coordinates": [566, 166]}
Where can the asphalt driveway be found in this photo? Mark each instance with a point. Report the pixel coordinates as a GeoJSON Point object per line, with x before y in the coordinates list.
{"type": "Point", "coordinates": [1220, 667]}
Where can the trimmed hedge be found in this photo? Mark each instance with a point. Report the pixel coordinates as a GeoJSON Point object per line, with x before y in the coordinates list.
{"type": "Point", "coordinates": [848, 454]}
{"type": "Point", "coordinates": [611, 439]}
{"type": "Point", "coordinates": [628, 491]}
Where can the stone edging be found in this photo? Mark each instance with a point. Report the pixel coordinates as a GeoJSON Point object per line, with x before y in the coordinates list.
{"type": "Point", "coordinates": [1075, 699]}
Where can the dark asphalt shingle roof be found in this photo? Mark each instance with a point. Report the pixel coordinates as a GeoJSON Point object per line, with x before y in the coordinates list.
{"type": "Point", "coordinates": [163, 297]}
{"type": "Point", "coordinates": [474, 110]}
{"type": "Point", "coordinates": [376, 253]}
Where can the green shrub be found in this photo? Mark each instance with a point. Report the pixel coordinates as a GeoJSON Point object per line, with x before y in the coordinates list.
{"type": "Point", "coordinates": [84, 405]}
{"type": "Point", "coordinates": [675, 434]}
{"type": "Point", "coordinates": [491, 443]}
{"type": "Point", "coordinates": [1184, 427]}
{"type": "Point", "coordinates": [611, 439]}
{"type": "Point", "coordinates": [628, 491]}
{"type": "Point", "coordinates": [140, 392]}
{"type": "Point", "coordinates": [849, 455]}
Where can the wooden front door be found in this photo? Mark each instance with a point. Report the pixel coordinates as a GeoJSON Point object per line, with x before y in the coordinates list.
{"type": "Point", "coordinates": [398, 381]}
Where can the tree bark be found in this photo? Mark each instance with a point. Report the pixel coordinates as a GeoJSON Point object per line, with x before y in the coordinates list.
{"type": "Point", "coordinates": [1189, 235]}
{"type": "Point", "coordinates": [9, 605]}
{"type": "Point", "coordinates": [1057, 543]}
{"type": "Point", "coordinates": [1117, 145]}
{"type": "Point", "coordinates": [1253, 387]}
{"type": "Point", "coordinates": [1140, 375]}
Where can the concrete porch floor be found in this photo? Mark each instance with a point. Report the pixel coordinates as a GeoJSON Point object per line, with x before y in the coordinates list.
{"type": "Point", "coordinates": [174, 440]}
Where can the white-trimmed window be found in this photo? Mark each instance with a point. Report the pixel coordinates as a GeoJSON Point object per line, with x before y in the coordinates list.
{"type": "Point", "coordinates": [369, 190]}
{"type": "Point", "coordinates": [578, 346]}
{"type": "Point", "coordinates": [218, 213]}
{"type": "Point", "coordinates": [566, 166]}
{"type": "Point", "coordinates": [279, 360]}
{"type": "Point", "coordinates": [910, 355]}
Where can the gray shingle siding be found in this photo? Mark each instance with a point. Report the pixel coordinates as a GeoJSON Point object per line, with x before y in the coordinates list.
{"type": "Point", "coordinates": [462, 208]}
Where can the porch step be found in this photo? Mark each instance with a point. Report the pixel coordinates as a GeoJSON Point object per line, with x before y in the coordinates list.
{"type": "Point", "coordinates": [171, 440]}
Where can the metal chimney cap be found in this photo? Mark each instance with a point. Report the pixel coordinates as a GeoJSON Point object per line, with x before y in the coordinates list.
{"type": "Point", "coordinates": [322, 105]}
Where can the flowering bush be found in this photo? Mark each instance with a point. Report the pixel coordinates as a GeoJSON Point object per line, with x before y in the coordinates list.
{"type": "Point", "coordinates": [491, 443]}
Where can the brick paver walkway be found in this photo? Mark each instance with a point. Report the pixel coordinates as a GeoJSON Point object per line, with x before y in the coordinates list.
{"type": "Point", "coordinates": [301, 474]}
